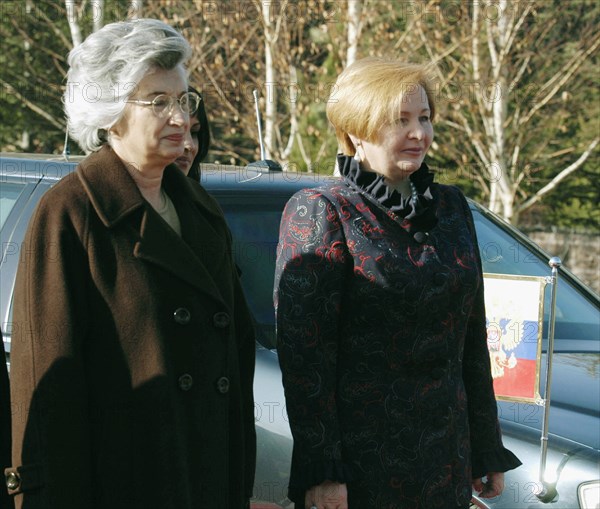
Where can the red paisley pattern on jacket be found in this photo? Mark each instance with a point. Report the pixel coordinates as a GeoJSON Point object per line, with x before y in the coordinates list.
{"type": "Point", "coordinates": [382, 346]}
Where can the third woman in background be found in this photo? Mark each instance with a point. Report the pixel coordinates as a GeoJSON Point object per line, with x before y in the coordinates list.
{"type": "Point", "coordinates": [380, 316]}
{"type": "Point", "coordinates": [197, 143]}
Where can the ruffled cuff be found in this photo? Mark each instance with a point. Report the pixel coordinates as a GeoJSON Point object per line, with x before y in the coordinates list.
{"type": "Point", "coordinates": [497, 460]}
{"type": "Point", "coordinates": [314, 474]}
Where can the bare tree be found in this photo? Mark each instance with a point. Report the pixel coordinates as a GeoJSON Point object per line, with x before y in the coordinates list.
{"type": "Point", "coordinates": [500, 94]}
{"type": "Point", "coordinates": [509, 78]}
{"type": "Point", "coordinates": [263, 45]}
{"type": "Point", "coordinates": [354, 29]}
{"type": "Point", "coordinates": [284, 26]}
{"type": "Point", "coordinates": [271, 31]}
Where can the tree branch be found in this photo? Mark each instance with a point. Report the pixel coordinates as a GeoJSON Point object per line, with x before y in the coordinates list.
{"type": "Point", "coordinates": [571, 67]}
{"type": "Point", "coordinates": [515, 30]}
{"type": "Point", "coordinates": [520, 73]}
{"type": "Point", "coordinates": [285, 153]}
{"type": "Point", "coordinates": [475, 41]}
{"type": "Point", "coordinates": [475, 142]}
{"type": "Point", "coordinates": [32, 106]}
{"type": "Point", "coordinates": [559, 178]}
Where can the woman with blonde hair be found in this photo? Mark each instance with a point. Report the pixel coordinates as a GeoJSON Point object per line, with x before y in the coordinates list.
{"type": "Point", "coordinates": [380, 315]}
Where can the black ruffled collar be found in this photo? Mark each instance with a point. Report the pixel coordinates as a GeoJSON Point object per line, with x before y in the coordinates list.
{"type": "Point", "coordinates": [416, 213]}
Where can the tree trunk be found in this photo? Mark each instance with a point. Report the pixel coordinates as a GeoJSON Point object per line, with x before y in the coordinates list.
{"type": "Point", "coordinates": [25, 141]}
{"type": "Point", "coordinates": [270, 82]}
{"type": "Point", "coordinates": [98, 14]}
{"type": "Point", "coordinates": [135, 9]}
{"type": "Point", "coordinates": [495, 97]}
{"type": "Point", "coordinates": [354, 29]}
{"type": "Point", "coordinates": [73, 24]}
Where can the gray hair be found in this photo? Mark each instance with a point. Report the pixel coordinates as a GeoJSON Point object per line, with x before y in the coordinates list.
{"type": "Point", "coordinates": [105, 69]}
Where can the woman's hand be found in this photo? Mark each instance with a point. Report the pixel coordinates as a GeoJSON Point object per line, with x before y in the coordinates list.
{"type": "Point", "coordinates": [327, 495]}
{"type": "Point", "coordinates": [492, 487]}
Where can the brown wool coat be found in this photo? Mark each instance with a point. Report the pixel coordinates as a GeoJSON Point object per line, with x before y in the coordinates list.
{"type": "Point", "coordinates": [133, 351]}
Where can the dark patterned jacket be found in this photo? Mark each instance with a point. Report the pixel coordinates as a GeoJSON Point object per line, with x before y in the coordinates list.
{"type": "Point", "coordinates": [382, 343]}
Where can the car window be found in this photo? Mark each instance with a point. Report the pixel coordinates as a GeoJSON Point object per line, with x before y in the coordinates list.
{"type": "Point", "coordinates": [255, 230]}
{"type": "Point", "coordinates": [9, 194]}
{"type": "Point", "coordinates": [576, 317]}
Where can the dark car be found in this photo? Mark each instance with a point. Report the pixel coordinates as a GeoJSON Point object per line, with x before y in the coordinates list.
{"type": "Point", "coordinates": [253, 201]}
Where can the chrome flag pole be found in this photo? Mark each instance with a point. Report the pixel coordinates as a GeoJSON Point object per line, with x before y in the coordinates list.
{"type": "Point", "coordinates": [548, 488]}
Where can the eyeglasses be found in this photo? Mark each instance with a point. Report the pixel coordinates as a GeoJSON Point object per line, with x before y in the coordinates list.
{"type": "Point", "coordinates": [163, 104]}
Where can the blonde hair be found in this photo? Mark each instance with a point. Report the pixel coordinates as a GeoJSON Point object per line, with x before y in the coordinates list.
{"type": "Point", "coordinates": [368, 95]}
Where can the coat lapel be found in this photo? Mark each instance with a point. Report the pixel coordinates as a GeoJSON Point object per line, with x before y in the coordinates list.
{"type": "Point", "coordinates": [161, 246]}
{"type": "Point", "coordinates": [115, 197]}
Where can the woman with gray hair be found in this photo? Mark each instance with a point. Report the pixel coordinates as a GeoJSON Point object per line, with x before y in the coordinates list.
{"type": "Point", "coordinates": [133, 361]}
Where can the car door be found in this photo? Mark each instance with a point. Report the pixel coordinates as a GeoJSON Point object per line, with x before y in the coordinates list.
{"type": "Point", "coordinates": [19, 195]}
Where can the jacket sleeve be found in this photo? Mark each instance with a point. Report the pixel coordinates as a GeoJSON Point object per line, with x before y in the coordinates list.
{"type": "Point", "coordinates": [487, 451]}
{"type": "Point", "coordinates": [51, 465]}
{"type": "Point", "coordinates": [312, 264]}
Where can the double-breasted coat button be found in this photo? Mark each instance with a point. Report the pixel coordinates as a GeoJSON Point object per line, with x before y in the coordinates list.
{"type": "Point", "coordinates": [221, 320]}
{"type": "Point", "coordinates": [185, 382]}
{"type": "Point", "coordinates": [223, 385]}
{"type": "Point", "coordinates": [182, 316]}
{"type": "Point", "coordinates": [12, 481]}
